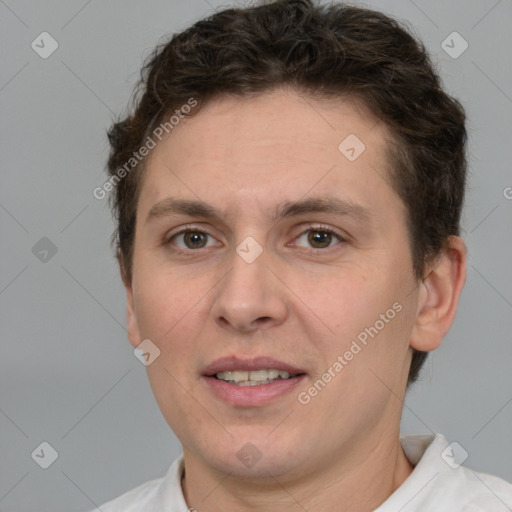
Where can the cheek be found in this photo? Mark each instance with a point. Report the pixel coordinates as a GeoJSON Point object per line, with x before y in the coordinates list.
{"type": "Point", "coordinates": [174, 393]}
{"type": "Point", "coordinates": [370, 319]}
{"type": "Point", "coordinates": [348, 299]}
{"type": "Point", "coordinates": [164, 304]}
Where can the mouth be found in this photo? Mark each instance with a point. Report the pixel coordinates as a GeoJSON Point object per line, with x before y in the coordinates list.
{"type": "Point", "coordinates": [251, 372]}
{"type": "Point", "coordinates": [251, 382]}
{"type": "Point", "coordinates": [254, 377]}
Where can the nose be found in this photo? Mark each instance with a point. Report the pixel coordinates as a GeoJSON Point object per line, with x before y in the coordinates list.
{"type": "Point", "coordinates": [250, 297]}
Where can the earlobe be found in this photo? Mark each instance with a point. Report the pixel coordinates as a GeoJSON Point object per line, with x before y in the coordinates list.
{"type": "Point", "coordinates": [131, 317]}
{"type": "Point", "coordinates": [438, 296]}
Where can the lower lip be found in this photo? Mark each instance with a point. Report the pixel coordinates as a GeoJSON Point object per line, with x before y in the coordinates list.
{"type": "Point", "coordinates": [252, 396]}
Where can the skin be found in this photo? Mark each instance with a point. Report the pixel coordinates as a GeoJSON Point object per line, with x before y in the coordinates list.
{"type": "Point", "coordinates": [300, 301]}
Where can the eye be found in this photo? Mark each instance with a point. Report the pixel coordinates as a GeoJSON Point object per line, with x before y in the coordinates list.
{"type": "Point", "coordinates": [191, 239]}
{"type": "Point", "coordinates": [320, 237]}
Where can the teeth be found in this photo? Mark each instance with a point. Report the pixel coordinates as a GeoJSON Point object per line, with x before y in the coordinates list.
{"type": "Point", "coordinates": [252, 378]}
{"type": "Point", "coordinates": [273, 374]}
{"type": "Point", "coordinates": [258, 375]}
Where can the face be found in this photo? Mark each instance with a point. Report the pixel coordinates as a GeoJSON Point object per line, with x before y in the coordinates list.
{"type": "Point", "coordinates": [298, 261]}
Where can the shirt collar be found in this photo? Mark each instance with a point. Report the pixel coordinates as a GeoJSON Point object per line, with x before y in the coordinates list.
{"type": "Point", "coordinates": [422, 451]}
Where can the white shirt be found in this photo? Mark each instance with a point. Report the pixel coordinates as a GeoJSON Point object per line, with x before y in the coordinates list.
{"type": "Point", "coordinates": [437, 484]}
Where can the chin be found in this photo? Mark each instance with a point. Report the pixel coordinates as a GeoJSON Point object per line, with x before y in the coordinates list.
{"type": "Point", "coordinates": [256, 456]}
{"type": "Point", "coordinates": [264, 468]}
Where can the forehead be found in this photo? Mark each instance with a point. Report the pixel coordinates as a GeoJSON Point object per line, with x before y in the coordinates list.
{"type": "Point", "coordinates": [257, 151]}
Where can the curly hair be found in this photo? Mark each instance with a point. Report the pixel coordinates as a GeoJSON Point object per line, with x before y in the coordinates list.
{"type": "Point", "coordinates": [324, 51]}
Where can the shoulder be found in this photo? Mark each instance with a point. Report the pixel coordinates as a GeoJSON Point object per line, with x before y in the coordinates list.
{"type": "Point", "coordinates": [462, 488]}
{"type": "Point", "coordinates": [138, 499]}
{"type": "Point", "coordinates": [152, 496]}
{"type": "Point", "coordinates": [480, 492]}
{"type": "Point", "coordinates": [441, 483]}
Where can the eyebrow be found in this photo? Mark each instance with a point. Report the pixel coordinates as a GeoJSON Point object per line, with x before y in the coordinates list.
{"type": "Point", "coordinates": [322, 204]}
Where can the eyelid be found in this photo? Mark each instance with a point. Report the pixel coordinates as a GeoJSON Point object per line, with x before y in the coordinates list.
{"type": "Point", "coordinates": [310, 227]}
{"type": "Point", "coordinates": [322, 228]}
{"type": "Point", "coordinates": [185, 229]}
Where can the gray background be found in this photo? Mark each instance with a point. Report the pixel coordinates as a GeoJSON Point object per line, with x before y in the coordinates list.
{"type": "Point", "coordinates": [68, 374]}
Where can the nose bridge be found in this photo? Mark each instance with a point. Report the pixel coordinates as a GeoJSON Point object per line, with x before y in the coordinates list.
{"type": "Point", "coordinates": [249, 294]}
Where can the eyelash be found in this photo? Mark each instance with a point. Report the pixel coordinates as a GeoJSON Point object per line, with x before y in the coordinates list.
{"type": "Point", "coordinates": [318, 228]}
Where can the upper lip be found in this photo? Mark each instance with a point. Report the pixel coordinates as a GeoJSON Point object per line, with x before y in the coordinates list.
{"type": "Point", "coordinates": [231, 363]}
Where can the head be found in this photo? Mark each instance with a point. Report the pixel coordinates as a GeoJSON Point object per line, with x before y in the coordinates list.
{"type": "Point", "coordinates": [252, 110]}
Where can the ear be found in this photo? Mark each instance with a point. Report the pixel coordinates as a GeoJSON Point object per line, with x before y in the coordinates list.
{"type": "Point", "coordinates": [438, 297]}
{"type": "Point", "coordinates": [131, 318]}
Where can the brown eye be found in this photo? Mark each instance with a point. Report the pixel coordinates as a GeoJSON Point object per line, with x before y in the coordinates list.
{"type": "Point", "coordinates": [194, 239]}
{"type": "Point", "coordinates": [318, 238]}
{"type": "Point", "coordinates": [189, 239]}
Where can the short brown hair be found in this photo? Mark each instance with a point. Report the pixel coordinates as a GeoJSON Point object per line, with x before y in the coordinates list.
{"type": "Point", "coordinates": [324, 51]}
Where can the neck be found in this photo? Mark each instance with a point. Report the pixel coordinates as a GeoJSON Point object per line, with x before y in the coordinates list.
{"type": "Point", "coordinates": [359, 479]}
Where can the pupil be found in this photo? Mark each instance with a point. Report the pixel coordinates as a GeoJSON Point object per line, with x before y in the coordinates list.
{"type": "Point", "coordinates": [320, 237]}
{"type": "Point", "coordinates": [194, 238]}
